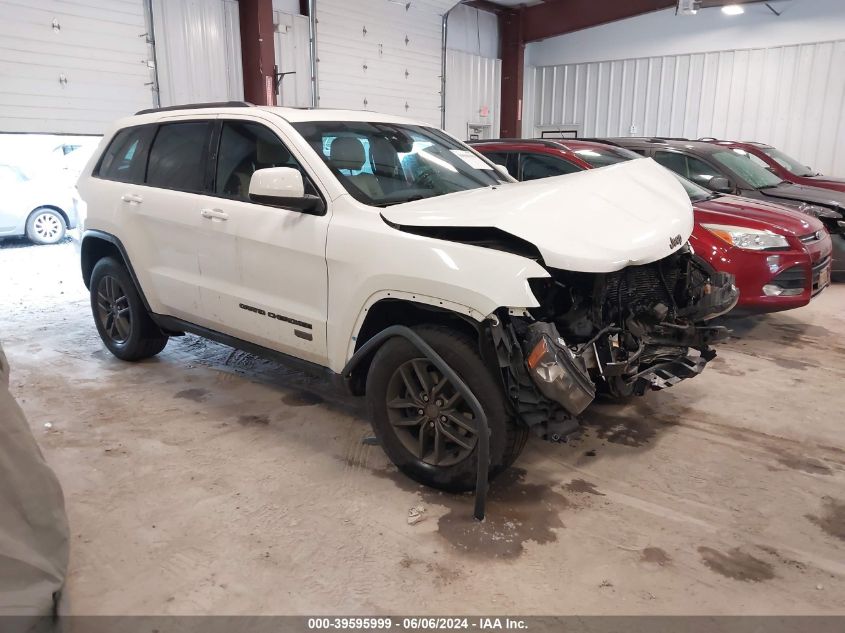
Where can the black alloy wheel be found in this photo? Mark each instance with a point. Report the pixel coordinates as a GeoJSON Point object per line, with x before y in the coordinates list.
{"type": "Point", "coordinates": [113, 309]}
{"type": "Point", "coordinates": [429, 415]}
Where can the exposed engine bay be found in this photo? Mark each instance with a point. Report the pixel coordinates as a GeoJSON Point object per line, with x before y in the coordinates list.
{"type": "Point", "coordinates": [623, 333]}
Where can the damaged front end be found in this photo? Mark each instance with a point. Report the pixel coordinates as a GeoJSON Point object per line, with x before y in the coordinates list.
{"type": "Point", "coordinates": [622, 333]}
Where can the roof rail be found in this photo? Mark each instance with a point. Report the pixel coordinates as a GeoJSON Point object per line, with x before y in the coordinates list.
{"type": "Point", "coordinates": [547, 142]}
{"type": "Point", "coordinates": [198, 106]}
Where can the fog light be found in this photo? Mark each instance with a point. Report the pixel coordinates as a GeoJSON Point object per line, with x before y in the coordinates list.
{"type": "Point", "coordinates": [773, 290]}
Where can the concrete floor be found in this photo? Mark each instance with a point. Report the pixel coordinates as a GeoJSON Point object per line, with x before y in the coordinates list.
{"type": "Point", "coordinates": [210, 481]}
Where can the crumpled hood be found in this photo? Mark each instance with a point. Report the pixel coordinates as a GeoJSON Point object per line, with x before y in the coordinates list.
{"type": "Point", "coordinates": [600, 220]}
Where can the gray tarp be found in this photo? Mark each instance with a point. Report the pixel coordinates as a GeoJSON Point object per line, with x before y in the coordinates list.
{"type": "Point", "coordinates": [33, 523]}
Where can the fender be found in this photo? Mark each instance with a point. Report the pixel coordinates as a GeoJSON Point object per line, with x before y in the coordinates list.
{"type": "Point", "coordinates": [85, 243]}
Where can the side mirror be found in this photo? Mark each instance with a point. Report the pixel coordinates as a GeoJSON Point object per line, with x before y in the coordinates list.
{"type": "Point", "coordinates": [720, 184]}
{"type": "Point", "coordinates": [502, 170]}
{"type": "Point", "coordinates": [283, 187]}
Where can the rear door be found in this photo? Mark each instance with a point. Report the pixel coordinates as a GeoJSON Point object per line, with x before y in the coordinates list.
{"type": "Point", "coordinates": [149, 178]}
{"type": "Point", "coordinates": [263, 268]}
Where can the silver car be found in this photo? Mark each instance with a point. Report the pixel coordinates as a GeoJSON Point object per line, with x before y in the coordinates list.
{"type": "Point", "coordinates": [41, 209]}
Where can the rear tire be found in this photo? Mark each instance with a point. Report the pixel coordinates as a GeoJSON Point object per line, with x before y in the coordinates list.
{"type": "Point", "coordinates": [121, 318]}
{"type": "Point", "coordinates": [45, 226]}
{"type": "Point", "coordinates": [438, 447]}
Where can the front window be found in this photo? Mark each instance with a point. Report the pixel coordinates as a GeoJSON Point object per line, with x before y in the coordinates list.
{"type": "Point", "coordinates": [602, 157]}
{"type": "Point", "coordinates": [740, 162]}
{"type": "Point", "coordinates": [694, 191]}
{"type": "Point", "coordinates": [788, 163]}
{"type": "Point", "coordinates": [384, 163]}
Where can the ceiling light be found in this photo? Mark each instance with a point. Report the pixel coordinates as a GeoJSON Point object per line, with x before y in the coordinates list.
{"type": "Point", "coordinates": [732, 9]}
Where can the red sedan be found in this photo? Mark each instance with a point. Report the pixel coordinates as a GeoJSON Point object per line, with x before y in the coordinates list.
{"type": "Point", "coordinates": [785, 166]}
{"type": "Point", "coordinates": [780, 257]}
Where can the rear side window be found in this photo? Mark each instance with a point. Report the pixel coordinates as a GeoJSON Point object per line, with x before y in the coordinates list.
{"type": "Point", "coordinates": [126, 158]}
{"type": "Point", "coordinates": [177, 157]}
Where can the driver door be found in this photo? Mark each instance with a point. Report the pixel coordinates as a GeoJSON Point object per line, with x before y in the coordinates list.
{"type": "Point", "coordinates": [263, 268]}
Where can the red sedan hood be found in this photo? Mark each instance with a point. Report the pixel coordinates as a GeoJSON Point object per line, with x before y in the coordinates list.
{"type": "Point", "coordinates": [755, 214]}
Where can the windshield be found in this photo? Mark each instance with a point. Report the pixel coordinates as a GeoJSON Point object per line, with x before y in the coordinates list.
{"type": "Point", "coordinates": [788, 163]}
{"type": "Point", "coordinates": [604, 156]}
{"type": "Point", "coordinates": [742, 165]}
{"type": "Point", "coordinates": [384, 163]}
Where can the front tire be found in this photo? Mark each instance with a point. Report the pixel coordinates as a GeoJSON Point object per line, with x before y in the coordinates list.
{"type": "Point", "coordinates": [45, 226]}
{"type": "Point", "coordinates": [423, 424]}
{"type": "Point", "coordinates": [121, 318]}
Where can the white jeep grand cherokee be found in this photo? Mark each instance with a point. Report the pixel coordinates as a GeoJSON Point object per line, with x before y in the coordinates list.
{"type": "Point", "coordinates": [306, 234]}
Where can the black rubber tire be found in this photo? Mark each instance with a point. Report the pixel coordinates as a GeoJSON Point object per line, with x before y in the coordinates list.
{"type": "Point", "coordinates": [145, 339]}
{"type": "Point", "coordinates": [32, 233]}
{"type": "Point", "coordinates": [507, 435]}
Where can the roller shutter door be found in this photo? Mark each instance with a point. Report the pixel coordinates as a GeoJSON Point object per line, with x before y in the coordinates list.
{"type": "Point", "coordinates": [72, 66]}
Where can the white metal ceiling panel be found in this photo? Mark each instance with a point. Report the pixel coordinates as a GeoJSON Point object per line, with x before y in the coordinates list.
{"type": "Point", "coordinates": [72, 66]}
{"type": "Point", "coordinates": [381, 55]}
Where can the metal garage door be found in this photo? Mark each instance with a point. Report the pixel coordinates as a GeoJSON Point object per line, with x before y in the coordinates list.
{"type": "Point", "coordinates": [72, 66]}
{"type": "Point", "coordinates": [381, 55]}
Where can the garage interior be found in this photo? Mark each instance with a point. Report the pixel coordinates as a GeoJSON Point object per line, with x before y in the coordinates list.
{"type": "Point", "coordinates": [208, 480]}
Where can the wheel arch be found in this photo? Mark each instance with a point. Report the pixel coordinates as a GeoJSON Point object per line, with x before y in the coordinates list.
{"type": "Point", "coordinates": [397, 310]}
{"type": "Point", "coordinates": [95, 245]}
{"type": "Point", "coordinates": [53, 207]}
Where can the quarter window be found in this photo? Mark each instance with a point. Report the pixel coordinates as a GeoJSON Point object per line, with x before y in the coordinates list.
{"type": "Point", "coordinates": [244, 149]}
{"type": "Point", "coordinates": [177, 157]}
{"type": "Point", "coordinates": [126, 158]}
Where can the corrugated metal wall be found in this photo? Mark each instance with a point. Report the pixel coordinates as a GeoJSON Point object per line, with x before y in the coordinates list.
{"type": "Point", "coordinates": [790, 96]}
{"type": "Point", "coordinates": [381, 55]}
{"type": "Point", "coordinates": [473, 83]}
{"type": "Point", "coordinates": [71, 67]}
{"type": "Point", "coordinates": [198, 50]}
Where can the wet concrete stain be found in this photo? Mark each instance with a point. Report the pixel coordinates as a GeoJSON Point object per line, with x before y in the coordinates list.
{"type": "Point", "coordinates": [804, 330]}
{"type": "Point", "coordinates": [582, 486]}
{"type": "Point", "coordinates": [517, 512]}
{"type": "Point", "coordinates": [253, 420]}
{"type": "Point", "coordinates": [720, 365]}
{"type": "Point", "coordinates": [833, 519]}
{"type": "Point", "coordinates": [302, 399]}
{"type": "Point", "coordinates": [441, 574]}
{"type": "Point", "coordinates": [805, 464]}
{"type": "Point", "coordinates": [771, 551]}
{"type": "Point", "coordinates": [788, 363]}
{"type": "Point", "coordinates": [197, 395]}
{"type": "Point", "coordinates": [655, 555]}
{"type": "Point", "coordinates": [736, 564]}
{"type": "Point", "coordinates": [634, 431]}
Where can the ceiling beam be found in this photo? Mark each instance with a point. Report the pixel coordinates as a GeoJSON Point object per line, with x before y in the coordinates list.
{"type": "Point", "coordinates": [557, 17]}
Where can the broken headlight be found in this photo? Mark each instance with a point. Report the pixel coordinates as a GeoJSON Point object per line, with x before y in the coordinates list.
{"type": "Point", "coordinates": [556, 371]}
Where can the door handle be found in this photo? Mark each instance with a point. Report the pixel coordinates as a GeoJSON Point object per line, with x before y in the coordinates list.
{"type": "Point", "coordinates": [132, 197]}
{"type": "Point", "coordinates": [214, 214]}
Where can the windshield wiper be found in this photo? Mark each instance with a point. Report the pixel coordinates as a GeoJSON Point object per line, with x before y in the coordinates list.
{"type": "Point", "coordinates": [408, 199]}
